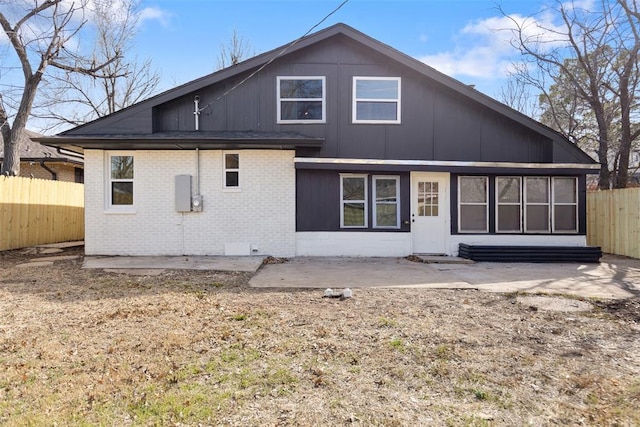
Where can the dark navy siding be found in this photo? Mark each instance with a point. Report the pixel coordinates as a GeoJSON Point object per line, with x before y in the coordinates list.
{"type": "Point", "coordinates": [318, 201]}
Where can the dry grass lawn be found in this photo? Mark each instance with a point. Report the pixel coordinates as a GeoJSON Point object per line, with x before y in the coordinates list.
{"type": "Point", "coordinates": [85, 347]}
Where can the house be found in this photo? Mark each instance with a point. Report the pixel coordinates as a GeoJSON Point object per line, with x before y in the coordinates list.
{"type": "Point", "coordinates": [43, 162]}
{"type": "Point", "coordinates": [336, 145]}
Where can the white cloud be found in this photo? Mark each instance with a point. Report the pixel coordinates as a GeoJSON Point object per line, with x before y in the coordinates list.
{"type": "Point", "coordinates": [483, 48]}
{"type": "Point", "coordinates": [154, 13]}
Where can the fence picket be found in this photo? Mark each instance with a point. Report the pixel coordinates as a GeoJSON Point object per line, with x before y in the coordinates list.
{"type": "Point", "coordinates": [613, 221]}
{"type": "Point", "coordinates": [38, 211]}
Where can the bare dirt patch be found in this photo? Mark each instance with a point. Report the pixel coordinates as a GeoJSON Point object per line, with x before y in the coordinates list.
{"type": "Point", "coordinates": [201, 348]}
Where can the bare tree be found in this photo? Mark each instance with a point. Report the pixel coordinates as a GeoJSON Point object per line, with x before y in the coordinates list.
{"type": "Point", "coordinates": [127, 81]}
{"type": "Point", "coordinates": [233, 53]}
{"type": "Point", "coordinates": [517, 94]}
{"type": "Point", "coordinates": [43, 35]}
{"type": "Point", "coordinates": [592, 56]}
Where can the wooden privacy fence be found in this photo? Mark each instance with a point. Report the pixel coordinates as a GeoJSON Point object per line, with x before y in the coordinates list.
{"type": "Point", "coordinates": [613, 221]}
{"type": "Point", "coordinates": [37, 211]}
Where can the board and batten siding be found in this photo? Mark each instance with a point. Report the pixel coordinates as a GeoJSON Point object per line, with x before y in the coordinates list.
{"type": "Point", "coordinates": [261, 214]}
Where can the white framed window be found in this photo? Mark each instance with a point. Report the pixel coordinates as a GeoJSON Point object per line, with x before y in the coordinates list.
{"type": "Point", "coordinates": [537, 204]}
{"type": "Point", "coordinates": [231, 171]}
{"type": "Point", "coordinates": [120, 181]}
{"type": "Point", "coordinates": [301, 99]}
{"type": "Point", "coordinates": [509, 204]}
{"type": "Point", "coordinates": [386, 194]}
{"type": "Point", "coordinates": [473, 212]}
{"type": "Point", "coordinates": [376, 99]}
{"type": "Point", "coordinates": [353, 201]}
{"type": "Point", "coordinates": [565, 205]}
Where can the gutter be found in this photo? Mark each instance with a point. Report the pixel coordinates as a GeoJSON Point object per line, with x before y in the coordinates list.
{"type": "Point", "coordinates": [54, 175]}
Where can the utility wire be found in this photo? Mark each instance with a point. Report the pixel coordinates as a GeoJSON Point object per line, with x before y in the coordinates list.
{"type": "Point", "coordinates": [279, 54]}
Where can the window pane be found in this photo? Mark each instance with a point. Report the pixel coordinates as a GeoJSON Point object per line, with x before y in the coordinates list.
{"type": "Point", "coordinates": [537, 218]}
{"type": "Point", "coordinates": [377, 89]}
{"type": "Point", "coordinates": [353, 215]}
{"type": "Point", "coordinates": [377, 111]}
{"type": "Point", "coordinates": [564, 190]}
{"type": "Point", "coordinates": [537, 190]}
{"type": "Point", "coordinates": [232, 179]}
{"type": "Point", "coordinates": [122, 167]}
{"type": "Point", "coordinates": [564, 218]}
{"type": "Point", "coordinates": [508, 190]}
{"type": "Point", "coordinates": [473, 189]}
{"type": "Point", "coordinates": [386, 190]}
{"type": "Point", "coordinates": [122, 193]}
{"type": "Point", "coordinates": [301, 110]}
{"type": "Point", "coordinates": [473, 218]}
{"type": "Point", "coordinates": [353, 189]}
{"type": "Point", "coordinates": [509, 218]}
{"type": "Point", "coordinates": [232, 161]}
{"type": "Point", "coordinates": [386, 215]}
{"type": "Point", "coordinates": [301, 88]}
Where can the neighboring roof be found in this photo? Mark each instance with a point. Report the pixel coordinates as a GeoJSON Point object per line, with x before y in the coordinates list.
{"type": "Point", "coordinates": [31, 150]}
{"type": "Point", "coordinates": [188, 140]}
{"type": "Point", "coordinates": [335, 30]}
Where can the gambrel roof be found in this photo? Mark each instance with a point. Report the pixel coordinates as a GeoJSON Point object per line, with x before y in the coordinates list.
{"type": "Point", "coordinates": [109, 133]}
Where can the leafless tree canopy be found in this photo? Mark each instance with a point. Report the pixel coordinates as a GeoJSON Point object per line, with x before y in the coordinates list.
{"type": "Point", "coordinates": [84, 98]}
{"type": "Point", "coordinates": [586, 70]}
{"type": "Point", "coordinates": [48, 45]}
{"type": "Point", "coordinates": [235, 51]}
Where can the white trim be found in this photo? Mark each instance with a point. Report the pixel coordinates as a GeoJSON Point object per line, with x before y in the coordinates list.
{"type": "Point", "coordinates": [279, 100]}
{"type": "Point", "coordinates": [365, 201]}
{"type": "Point", "coordinates": [352, 244]}
{"type": "Point", "coordinates": [225, 170]}
{"type": "Point", "coordinates": [375, 201]}
{"type": "Point", "coordinates": [446, 163]}
{"type": "Point", "coordinates": [109, 207]}
{"type": "Point", "coordinates": [485, 204]}
{"type": "Point", "coordinates": [355, 100]}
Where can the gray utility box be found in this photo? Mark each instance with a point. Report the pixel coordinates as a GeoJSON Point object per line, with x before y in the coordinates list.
{"type": "Point", "coordinates": [183, 193]}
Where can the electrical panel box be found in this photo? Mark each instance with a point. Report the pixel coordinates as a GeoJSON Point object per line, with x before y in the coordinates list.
{"type": "Point", "coordinates": [183, 193]}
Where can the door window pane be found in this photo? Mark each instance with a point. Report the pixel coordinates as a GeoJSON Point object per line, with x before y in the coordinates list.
{"type": "Point", "coordinates": [428, 198]}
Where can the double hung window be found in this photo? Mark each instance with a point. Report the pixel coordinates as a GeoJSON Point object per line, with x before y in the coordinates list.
{"type": "Point", "coordinates": [565, 205]}
{"type": "Point", "coordinates": [473, 205]}
{"type": "Point", "coordinates": [386, 192]}
{"type": "Point", "coordinates": [353, 201]}
{"type": "Point", "coordinates": [120, 182]}
{"type": "Point", "coordinates": [376, 99]}
{"type": "Point", "coordinates": [231, 169]}
{"type": "Point", "coordinates": [509, 204]}
{"type": "Point", "coordinates": [301, 100]}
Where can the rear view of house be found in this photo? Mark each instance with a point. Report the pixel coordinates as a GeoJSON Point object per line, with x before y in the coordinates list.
{"type": "Point", "coordinates": [340, 146]}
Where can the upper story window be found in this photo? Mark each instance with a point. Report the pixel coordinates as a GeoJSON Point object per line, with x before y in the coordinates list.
{"type": "Point", "coordinates": [301, 99]}
{"type": "Point", "coordinates": [376, 99]}
{"type": "Point", "coordinates": [120, 181]}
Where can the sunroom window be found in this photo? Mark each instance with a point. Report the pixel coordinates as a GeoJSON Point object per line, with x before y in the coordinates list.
{"type": "Point", "coordinates": [301, 100]}
{"type": "Point", "coordinates": [536, 195]}
{"type": "Point", "coordinates": [509, 201]}
{"type": "Point", "coordinates": [565, 205]}
{"type": "Point", "coordinates": [376, 99]}
{"type": "Point", "coordinates": [473, 205]}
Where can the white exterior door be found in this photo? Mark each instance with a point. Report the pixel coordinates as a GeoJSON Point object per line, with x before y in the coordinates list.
{"type": "Point", "coordinates": [429, 212]}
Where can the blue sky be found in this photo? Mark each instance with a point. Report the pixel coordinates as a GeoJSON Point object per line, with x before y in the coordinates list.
{"type": "Point", "coordinates": [458, 37]}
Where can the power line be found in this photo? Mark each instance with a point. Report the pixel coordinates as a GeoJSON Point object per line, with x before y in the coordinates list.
{"type": "Point", "coordinates": [279, 54]}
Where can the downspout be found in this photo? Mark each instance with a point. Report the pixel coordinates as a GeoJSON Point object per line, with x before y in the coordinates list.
{"type": "Point", "coordinates": [54, 175]}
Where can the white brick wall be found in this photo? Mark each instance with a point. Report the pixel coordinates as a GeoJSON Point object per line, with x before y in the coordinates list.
{"type": "Point", "coordinates": [261, 214]}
